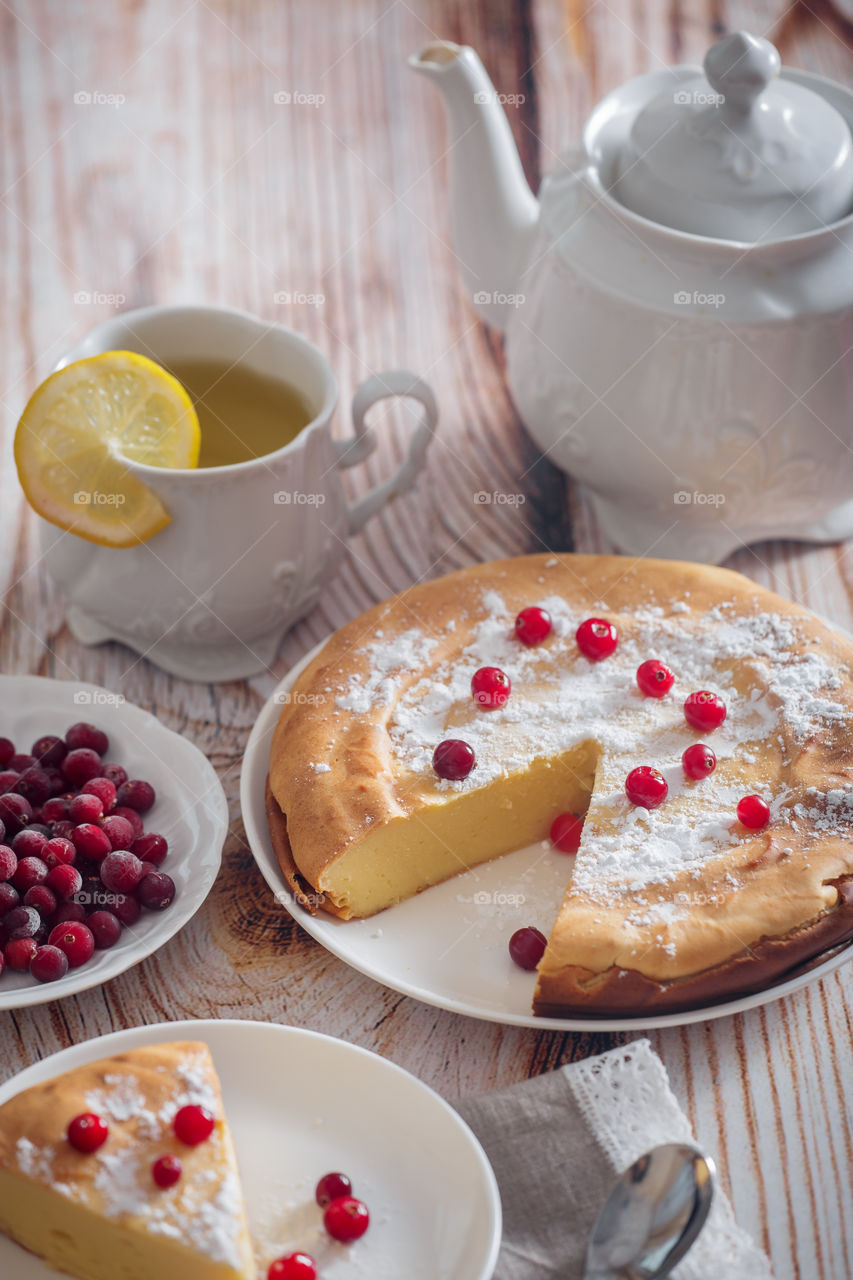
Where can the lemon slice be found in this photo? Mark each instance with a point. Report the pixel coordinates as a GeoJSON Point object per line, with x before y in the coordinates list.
{"type": "Point", "coordinates": [81, 428]}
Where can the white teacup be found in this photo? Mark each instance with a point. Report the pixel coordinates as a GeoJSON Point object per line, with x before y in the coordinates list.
{"type": "Point", "coordinates": [250, 545]}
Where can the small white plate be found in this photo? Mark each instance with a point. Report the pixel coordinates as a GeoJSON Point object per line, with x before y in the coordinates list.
{"type": "Point", "coordinates": [300, 1105]}
{"type": "Point", "coordinates": [191, 811]}
{"type": "Point", "coordinates": [448, 945]}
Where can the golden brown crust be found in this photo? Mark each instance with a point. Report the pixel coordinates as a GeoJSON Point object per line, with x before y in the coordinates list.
{"type": "Point", "coordinates": [334, 779]}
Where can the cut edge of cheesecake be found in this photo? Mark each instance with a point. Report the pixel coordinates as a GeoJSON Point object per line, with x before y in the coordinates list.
{"type": "Point", "coordinates": [54, 1206]}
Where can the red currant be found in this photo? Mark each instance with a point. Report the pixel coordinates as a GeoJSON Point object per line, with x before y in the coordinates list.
{"type": "Point", "coordinates": [753, 812]}
{"type": "Point", "coordinates": [330, 1186]}
{"type": "Point", "coordinates": [453, 759]}
{"type": "Point", "coordinates": [166, 1171]}
{"type": "Point", "coordinates": [527, 947]}
{"type": "Point", "coordinates": [704, 710]}
{"type": "Point", "coordinates": [654, 678]}
{"type": "Point", "coordinates": [646, 787]}
{"type": "Point", "coordinates": [597, 638]}
{"type": "Point", "coordinates": [193, 1125]}
{"type": "Point", "coordinates": [87, 1132]}
{"type": "Point", "coordinates": [490, 687]}
{"type": "Point", "coordinates": [296, 1266]}
{"type": "Point", "coordinates": [699, 761]}
{"type": "Point", "coordinates": [566, 832]}
{"type": "Point", "coordinates": [346, 1219]}
{"type": "Point", "coordinates": [533, 625]}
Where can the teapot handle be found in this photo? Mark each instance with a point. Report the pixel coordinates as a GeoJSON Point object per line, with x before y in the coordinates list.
{"type": "Point", "coordinates": [395, 382]}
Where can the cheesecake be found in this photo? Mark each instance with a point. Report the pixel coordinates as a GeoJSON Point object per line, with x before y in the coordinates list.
{"type": "Point", "coordinates": [103, 1212]}
{"type": "Point", "coordinates": [666, 908]}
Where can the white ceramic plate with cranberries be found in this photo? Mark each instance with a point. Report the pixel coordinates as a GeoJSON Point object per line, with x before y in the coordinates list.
{"type": "Point", "coordinates": [300, 1105]}
{"type": "Point", "coordinates": [448, 946]}
{"type": "Point", "coordinates": [112, 834]}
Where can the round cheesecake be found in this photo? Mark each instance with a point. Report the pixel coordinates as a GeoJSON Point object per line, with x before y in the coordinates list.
{"type": "Point", "coordinates": [665, 908]}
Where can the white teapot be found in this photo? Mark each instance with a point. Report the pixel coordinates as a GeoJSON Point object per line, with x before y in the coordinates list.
{"type": "Point", "coordinates": [678, 303]}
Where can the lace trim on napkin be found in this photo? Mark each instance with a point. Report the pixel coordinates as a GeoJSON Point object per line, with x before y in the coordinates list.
{"type": "Point", "coordinates": [625, 1098]}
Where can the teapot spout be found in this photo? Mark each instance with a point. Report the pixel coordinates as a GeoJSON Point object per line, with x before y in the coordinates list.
{"type": "Point", "coordinates": [493, 211]}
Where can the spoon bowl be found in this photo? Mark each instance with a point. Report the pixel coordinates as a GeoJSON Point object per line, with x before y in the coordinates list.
{"type": "Point", "coordinates": [652, 1216]}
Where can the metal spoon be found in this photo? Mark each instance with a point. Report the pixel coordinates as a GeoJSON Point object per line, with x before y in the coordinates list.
{"type": "Point", "coordinates": [652, 1216]}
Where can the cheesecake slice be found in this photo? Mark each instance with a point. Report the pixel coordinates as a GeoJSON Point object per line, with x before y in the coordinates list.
{"type": "Point", "coordinates": [100, 1214]}
{"type": "Point", "coordinates": [665, 908]}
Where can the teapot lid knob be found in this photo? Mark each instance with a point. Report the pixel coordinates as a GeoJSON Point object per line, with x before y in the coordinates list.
{"type": "Point", "coordinates": [739, 68]}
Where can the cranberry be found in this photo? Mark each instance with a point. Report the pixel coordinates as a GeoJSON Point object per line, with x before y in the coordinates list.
{"type": "Point", "coordinates": [62, 829]}
{"type": "Point", "coordinates": [106, 929]}
{"type": "Point", "coordinates": [87, 1132]}
{"type": "Point", "coordinates": [654, 678]}
{"type": "Point", "coordinates": [699, 761]}
{"type": "Point", "coordinates": [55, 809]}
{"type": "Point", "coordinates": [330, 1186]}
{"type": "Point", "coordinates": [753, 812]}
{"type": "Point", "coordinates": [566, 832]}
{"type": "Point", "coordinates": [119, 832]}
{"type": "Point", "coordinates": [166, 1171]}
{"type": "Point", "coordinates": [8, 862]}
{"type": "Point", "coordinates": [76, 940]}
{"type": "Point", "coordinates": [533, 625]}
{"type": "Point", "coordinates": [49, 964]}
{"type": "Point", "coordinates": [527, 947]}
{"type": "Point", "coordinates": [15, 812]}
{"type": "Point", "coordinates": [80, 765]}
{"type": "Point", "coordinates": [131, 816]}
{"type": "Point", "coordinates": [21, 761]}
{"type": "Point", "coordinates": [68, 911]}
{"type": "Point", "coordinates": [193, 1125]}
{"type": "Point", "coordinates": [8, 779]}
{"type": "Point", "coordinates": [136, 794]}
{"type": "Point", "coordinates": [21, 922]}
{"type": "Point", "coordinates": [103, 789]}
{"type": "Point", "coordinates": [35, 785]}
{"type": "Point", "coordinates": [490, 688]}
{"type": "Point", "coordinates": [121, 871]}
{"type": "Point", "coordinates": [151, 848]}
{"type": "Point", "coordinates": [597, 638]}
{"type": "Point", "coordinates": [646, 786]}
{"type": "Point", "coordinates": [346, 1219]}
{"type": "Point", "coordinates": [29, 843]}
{"type": "Point", "coordinates": [156, 892]}
{"type": "Point", "coordinates": [126, 908]}
{"type": "Point", "coordinates": [2, 963]}
{"type": "Point", "coordinates": [86, 808]}
{"type": "Point", "coordinates": [9, 899]}
{"type": "Point", "coordinates": [114, 773]}
{"type": "Point", "coordinates": [147, 869]}
{"type": "Point", "coordinates": [7, 750]}
{"type": "Point", "coordinates": [64, 880]}
{"type": "Point", "coordinates": [295, 1266]}
{"type": "Point", "coordinates": [49, 750]}
{"type": "Point", "coordinates": [90, 841]}
{"type": "Point", "coordinates": [59, 852]}
{"type": "Point", "coordinates": [18, 953]}
{"type": "Point", "coordinates": [87, 737]}
{"type": "Point", "coordinates": [453, 759]}
{"type": "Point", "coordinates": [30, 871]}
{"type": "Point", "coordinates": [56, 778]}
{"type": "Point", "coordinates": [42, 898]}
{"type": "Point", "coordinates": [704, 710]}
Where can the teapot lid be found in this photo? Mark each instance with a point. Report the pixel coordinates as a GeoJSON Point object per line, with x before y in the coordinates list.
{"type": "Point", "coordinates": [738, 154]}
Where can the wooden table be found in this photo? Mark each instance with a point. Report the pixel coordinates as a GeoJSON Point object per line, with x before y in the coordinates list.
{"type": "Point", "coordinates": [193, 184]}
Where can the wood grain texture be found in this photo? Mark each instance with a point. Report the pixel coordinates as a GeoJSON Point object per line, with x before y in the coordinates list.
{"type": "Point", "coordinates": [197, 186]}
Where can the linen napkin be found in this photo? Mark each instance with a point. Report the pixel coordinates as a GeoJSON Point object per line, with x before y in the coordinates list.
{"type": "Point", "coordinates": [557, 1143]}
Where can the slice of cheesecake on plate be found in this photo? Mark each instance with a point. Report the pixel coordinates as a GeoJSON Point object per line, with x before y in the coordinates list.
{"type": "Point", "coordinates": [98, 1179]}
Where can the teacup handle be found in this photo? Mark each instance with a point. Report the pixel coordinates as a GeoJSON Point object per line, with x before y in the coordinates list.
{"type": "Point", "coordinates": [396, 382]}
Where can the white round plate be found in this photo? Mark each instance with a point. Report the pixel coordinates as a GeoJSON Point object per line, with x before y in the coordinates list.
{"type": "Point", "coordinates": [301, 1104]}
{"type": "Point", "coordinates": [191, 811]}
{"type": "Point", "coordinates": [448, 945]}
